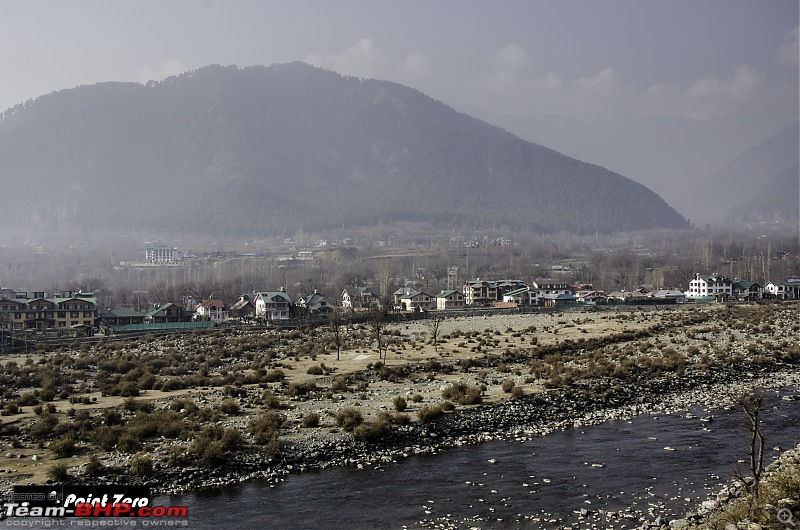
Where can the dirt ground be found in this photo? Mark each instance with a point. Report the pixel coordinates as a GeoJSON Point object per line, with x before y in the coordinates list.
{"type": "Point", "coordinates": [500, 333]}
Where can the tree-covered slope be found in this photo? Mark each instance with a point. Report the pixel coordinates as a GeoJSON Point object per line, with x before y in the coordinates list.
{"type": "Point", "coordinates": [258, 150]}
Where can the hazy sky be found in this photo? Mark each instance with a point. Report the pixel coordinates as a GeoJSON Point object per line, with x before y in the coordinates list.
{"type": "Point", "coordinates": [663, 91]}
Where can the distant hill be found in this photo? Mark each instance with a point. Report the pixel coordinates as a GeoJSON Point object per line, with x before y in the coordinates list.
{"type": "Point", "coordinates": [761, 184]}
{"type": "Point", "coordinates": [267, 150]}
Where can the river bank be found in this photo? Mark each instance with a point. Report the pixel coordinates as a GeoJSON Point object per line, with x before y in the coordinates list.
{"type": "Point", "coordinates": [564, 371]}
{"type": "Point", "coordinates": [522, 420]}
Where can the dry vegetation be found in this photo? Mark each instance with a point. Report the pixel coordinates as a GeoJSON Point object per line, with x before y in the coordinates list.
{"type": "Point", "coordinates": [195, 399]}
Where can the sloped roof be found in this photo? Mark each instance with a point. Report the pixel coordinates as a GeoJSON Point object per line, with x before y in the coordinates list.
{"type": "Point", "coordinates": [315, 298]}
{"type": "Point", "coordinates": [212, 303]}
{"type": "Point", "coordinates": [122, 312]}
{"type": "Point", "coordinates": [413, 294]}
{"type": "Point", "coordinates": [271, 295]}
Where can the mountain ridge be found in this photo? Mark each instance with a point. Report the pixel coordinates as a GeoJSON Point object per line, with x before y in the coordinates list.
{"type": "Point", "coordinates": [760, 184]}
{"type": "Point", "coordinates": [268, 149]}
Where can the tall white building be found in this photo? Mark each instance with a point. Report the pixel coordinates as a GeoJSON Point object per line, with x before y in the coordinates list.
{"type": "Point", "coordinates": [710, 285]}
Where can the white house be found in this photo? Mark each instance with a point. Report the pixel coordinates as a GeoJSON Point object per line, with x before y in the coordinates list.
{"type": "Point", "coordinates": [272, 305]}
{"type": "Point", "coordinates": [213, 310]}
{"type": "Point", "coordinates": [788, 289]}
{"type": "Point", "coordinates": [704, 285]}
{"type": "Point", "coordinates": [361, 298]}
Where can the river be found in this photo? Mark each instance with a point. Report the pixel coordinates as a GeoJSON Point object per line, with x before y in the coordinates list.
{"type": "Point", "coordinates": [610, 476]}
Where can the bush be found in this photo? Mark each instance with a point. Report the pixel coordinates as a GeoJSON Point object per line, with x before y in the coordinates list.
{"type": "Point", "coordinates": [315, 370]}
{"type": "Point", "coordinates": [94, 468]}
{"type": "Point", "coordinates": [400, 404]}
{"type": "Point", "coordinates": [27, 399]}
{"type": "Point", "coordinates": [339, 384]}
{"type": "Point", "coordinates": [300, 389]}
{"type": "Point", "coordinates": [229, 407]}
{"type": "Point", "coordinates": [463, 394]}
{"type": "Point", "coordinates": [310, 420]}
{"type": "Point", "coordinates": [428, 414]}
{"type": "Point", "coordinates": [44, 427]}
{"type": "Point", "coordinates": [63, 447]}
{"type": "Point", "coordinates": [368, 433]}
{"type": "Point", "coordinates": [58, 472]}
{"type": "Point", "coordinates": [349, 418]}
{"type": "Point", "coordinates": [142, 466]}
{"type": "Point", "coordinates": [128, 389]}
{"type": "Point", "coordinates": [231, 439]}
{"type": "Point", "coordinates": [265, 427]}
{"type": "Point", "coordinates": [274, 376]}
{"type": "Point", "coordinates": [273, 447]}
{"type": "Point", "coordinates": [270, 400]}
{"type": "Point", "coordinates": [508, 386]}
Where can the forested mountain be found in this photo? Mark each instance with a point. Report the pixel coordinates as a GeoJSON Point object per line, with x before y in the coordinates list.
{"type": "Point", "coordinates": [761, 184]}
{"type": "Point", "coordinates": [267, 150]}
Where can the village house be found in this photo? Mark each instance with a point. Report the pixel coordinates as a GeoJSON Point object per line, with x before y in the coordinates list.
{"type": "Point", "coordinates": [590, 296]}
{"type": "Point", "coordinates": [213, 310]}
{"type": "Point", "coordinates": [670, 296]}
{"type": "Point", "coordinates": [168, 313]}
{"type": "Point", "coordinates": [486, 293]}
{"type": "Point", "coordinates": [272, 305]}
{"type": "Point", "coordinates": [710, 285]}
{"type": "Point", "coordinates": [243, 309]}
{"type": "Point", "coordinates": [361, 298]}
{"type": "Point", "coordinates": [120, 316]}
{"type": "Point", "coordinates": [523, 296]}
{"type": "Point", "coordinates": [316, 303]}
{"type": "Point", "coordinates": [747, 291]}
{"type": "Point", "coordinates": [785, 289]}
{"type": "Point", "coordinates": [551, 286]}
{"type": "Point", "coordinates": [416, 301]}
{"type": "Point", "coordinates": [450, 299]}
{"type": "Point", "coordinates": [557, 300]}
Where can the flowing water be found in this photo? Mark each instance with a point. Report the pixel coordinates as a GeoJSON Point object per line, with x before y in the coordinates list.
{"type": "Point", "coordinates": [604, 476]}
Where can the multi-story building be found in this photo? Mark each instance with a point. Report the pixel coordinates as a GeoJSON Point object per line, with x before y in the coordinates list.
{"type": "Point", "coordinates": [162, 255]}
{"type": "Point", "coordinates": [272, 305]}
{"type": "Point", "coordinates": [66, 309]}
{"type": "Point", "coordinates": [316, 303]}
{"type": "Point", "coordinates": [416, 301]}
{"type": "Point", "coordinates": [704, 285]}
{"type": "Point", "coordinates": [213, 310]}
{"type": "Point", "coordinates": [361, 298]}
{"type": "Point", "coordinates": [450, 299]}
{"type": "Point", "coordinates": [787, 289]}
{"type": "Point", "coordinates": [486, 293]}
{"type": "Point", "coordinates": [550, 286]}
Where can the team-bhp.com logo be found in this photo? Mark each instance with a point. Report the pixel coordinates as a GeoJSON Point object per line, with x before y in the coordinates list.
{"type": "Point", "coordinates": [81, 501]}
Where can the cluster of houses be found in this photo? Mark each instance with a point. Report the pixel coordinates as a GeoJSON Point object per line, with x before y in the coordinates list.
{"type": "Point", "coordinates": [77, 312]}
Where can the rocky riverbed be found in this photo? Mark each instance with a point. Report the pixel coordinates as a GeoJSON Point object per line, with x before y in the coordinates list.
{"type": "Point", "coordinates": [570, 369]}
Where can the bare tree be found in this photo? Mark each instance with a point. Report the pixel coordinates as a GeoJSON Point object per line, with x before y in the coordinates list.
{"type": "Point", "coordinates": [433, 323]}
{"type": "Point", "coordinates": [752, 404]}
{"type": "Point", "coordinates": [378, 321]}
{"type": "Point", "coordinates": [336, 323]}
